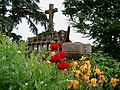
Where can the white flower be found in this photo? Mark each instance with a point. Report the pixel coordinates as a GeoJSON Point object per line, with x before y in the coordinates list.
{"type": "Point", "coordinates": [48, 62]}
{"type": "Point", "coordinates": [26, 84]}
{"type": "Point", "coordinates": [65, 69]}
{"type": "Point", "coordinates": [67, 80]}
{"type": "Point", "coordinates": [45, 84]}
{"type": "Point", "coordinates": [19, 52]}
{"type": "Point", "coordinates": [41, 82]}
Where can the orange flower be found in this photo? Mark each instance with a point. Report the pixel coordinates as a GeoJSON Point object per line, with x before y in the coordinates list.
{"type": "Point", "coordinates": [86, 78]}
{"type": "Point", "coordinates": [102, 78]}
{"type": "Point", "coordinates": [88, 72]}
{"type": "Point", "coordinates": [83, 58]}
{"type": "Point", "coordinates": [113, 81]}
{"type": "Point", "coordinates": [83, 68]}
{"type": "Point", "coordinates": [97, 71]}
{"type": "Point", "coordinates": [78, 73]}
{"type": "Point", "coordinates": [70, 83]}
{"type": "Point", "coordinates": [88, 63]}
{"type": "Point", "coordinates": [74, 63]}
{"type": "Point", "coordinates": [73, 84]}
{"type": "Point", "coordinates": [94, 82]}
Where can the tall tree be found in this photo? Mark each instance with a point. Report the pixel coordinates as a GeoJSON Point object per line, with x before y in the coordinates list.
{"type": "Point", "coordinates": [104, 22]}
{"type": "Point", "coordinates": [12, 12]}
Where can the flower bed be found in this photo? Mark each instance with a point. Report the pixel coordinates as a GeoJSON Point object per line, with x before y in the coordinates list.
{"type": "Point", "coordinates": [56, 72]}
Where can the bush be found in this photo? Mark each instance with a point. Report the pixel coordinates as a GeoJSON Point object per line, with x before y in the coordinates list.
{"type": "Point", "coordinates": [20, 72]}
{"type": "Point", "coordinates": [107, 64]}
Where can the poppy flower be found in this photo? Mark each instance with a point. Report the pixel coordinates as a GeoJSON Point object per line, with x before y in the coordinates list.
{"type": "Point", "coordinates": [56, 58]}
{"type": "Point", "coordinates": [54, 46]}
{"type": "Point", "coordinates": [53, 59]}
{"type": "Point", "coordinates": [59, 58]}
{"type": "Point", "coordinates": [63, 54]}
{"type": "Point", "coordinates": [63, 65]}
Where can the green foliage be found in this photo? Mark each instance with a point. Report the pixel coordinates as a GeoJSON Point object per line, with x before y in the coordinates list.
{"type": "Point", "coordinates": [110, 66]}
{"type": "Point", "coordinates": [20, 72]}
{"type": "Point", "coordinates": [103, 17]}
{"type": "Point", "coordinates": [106, 62]}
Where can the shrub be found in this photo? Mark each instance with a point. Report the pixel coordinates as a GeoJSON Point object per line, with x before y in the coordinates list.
{"type": "Point", "coordinates": [20, 72]}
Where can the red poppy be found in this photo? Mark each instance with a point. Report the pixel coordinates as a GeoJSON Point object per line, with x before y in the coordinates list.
{"type": "Point", "coordinates": [63, 65]}
{"type": "Point", "coordinates": [63, 54]}
{"type": "Point", "coordinates": [56, 58]}
{"type": "Point", "coordinates": [59, 58]}
{"type": "Point", "coordinates": [53, 58]}
{"type": "Point", "coordinates": [54, 46]}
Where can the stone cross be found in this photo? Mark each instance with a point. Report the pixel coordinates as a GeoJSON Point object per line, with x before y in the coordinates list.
{"type": "Point", "coordinates": [51, 12]}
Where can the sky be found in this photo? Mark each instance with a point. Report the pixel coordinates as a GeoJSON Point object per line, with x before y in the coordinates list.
{"type": "Point", "coordinates": [60, 20]}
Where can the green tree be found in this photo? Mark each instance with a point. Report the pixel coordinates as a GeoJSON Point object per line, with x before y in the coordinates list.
{"type": "Point", "coordinates": [104, 22]}
{"type": "Point", "coordinates": [12, 12]}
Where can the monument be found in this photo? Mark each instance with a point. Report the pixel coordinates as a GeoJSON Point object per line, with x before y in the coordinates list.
{"type": "Point", "coordinates": [51, 12]}
{"type": "Point", "coordinates": [73, 50]}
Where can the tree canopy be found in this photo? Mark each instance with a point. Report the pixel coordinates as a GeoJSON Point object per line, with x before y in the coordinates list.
{"type": "Point", "coordinates": [104, 22]}
{"type": "Point", "coordinates": [12, 12]}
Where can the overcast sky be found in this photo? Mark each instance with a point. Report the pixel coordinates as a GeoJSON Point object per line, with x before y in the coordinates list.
{"type": "Point", "coordinates": [61, 23]}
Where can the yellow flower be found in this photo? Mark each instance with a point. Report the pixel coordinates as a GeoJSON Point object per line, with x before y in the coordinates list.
{"type": "Point", "coordinates": [83, 68]}
{"type": "Point", "coordinates": [88, 63]}
{"type": "Point", "coordinates": [101, 82]}
{"type": "Point", "coordinates": [75, 63]}
{"type": "Point", "coordinates": [52, 53]}
{"type": "Point", "coordinates": [83, 58]}
{"type": "Point", "coordinates": [97, 71]}
{"type": "Point", "coordinates": [86, 78]}
{"type": "Point", "coordinates": [113, 81]}
{"type": "Point", "coordinates": [70, 83]}
{"type": "Point", "coordinates": [102, 78]}
{"type": "Point", "coordinates": [88, 72]}
{"type": "Point", "coordinates": [77, 73]}
{"type": "Point", "coordinates": [94, 82]}
{"type": "Point", "coordinates": [73, 84]}
{"type": "Point", "coordinates": [49, 57]}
